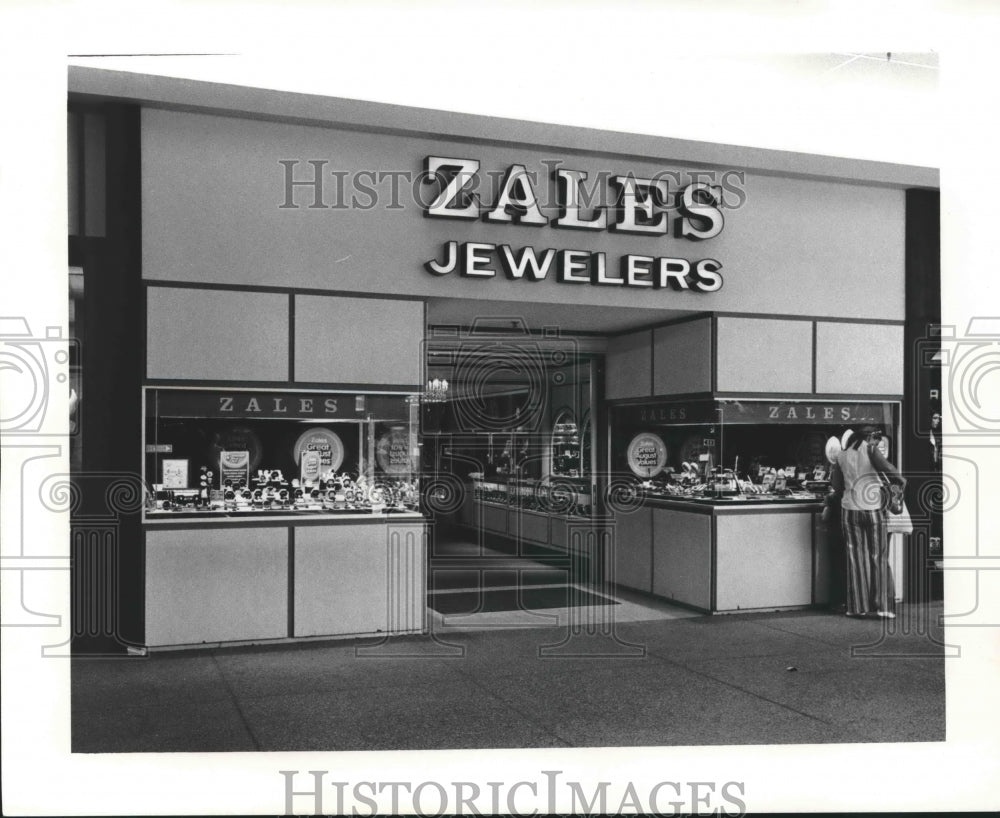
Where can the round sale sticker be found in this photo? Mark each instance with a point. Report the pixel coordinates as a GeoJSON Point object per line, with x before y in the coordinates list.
{"type": "Point", "coordinates": [647, 455]}
{"type": "Point", "coordinates": [393, 451]}
{"type": "Point", "coordinates": [324, 441]}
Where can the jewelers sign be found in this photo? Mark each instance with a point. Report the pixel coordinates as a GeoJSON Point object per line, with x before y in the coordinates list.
{"type": "Point", "coordinates": [641, 207]}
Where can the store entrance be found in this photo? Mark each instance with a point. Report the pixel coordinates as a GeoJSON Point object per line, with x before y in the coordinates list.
{"type": "Point", "coordinates": [509, 462]}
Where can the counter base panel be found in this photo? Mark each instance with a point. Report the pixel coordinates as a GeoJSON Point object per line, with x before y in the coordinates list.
{"type": "Point", "coordinates": [682, 557]}
{"type": "Point", "coordinates": [764, 561]}
{"type": "Point", "coordinates": [219, 586]}
{"type": "Point", "coordinates": [722, 559]}
{"type": "Point", "coordinates": [633, 549]}
{"type": "Point", "coordinates": [346, 576]}
{"type": "Point", "coordinates": [215, 586]}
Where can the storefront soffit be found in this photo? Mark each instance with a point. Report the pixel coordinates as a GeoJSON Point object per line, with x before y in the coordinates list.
{"type": "Point", "coordinates": [256, 103]}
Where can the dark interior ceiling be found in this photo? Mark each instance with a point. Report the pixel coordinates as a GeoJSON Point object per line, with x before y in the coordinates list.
{"type": "Point", "coordinates": [571, 319]}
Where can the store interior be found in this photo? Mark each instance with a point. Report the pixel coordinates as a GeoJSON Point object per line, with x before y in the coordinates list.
{"type": "Point", "coordinates": [511, 451]}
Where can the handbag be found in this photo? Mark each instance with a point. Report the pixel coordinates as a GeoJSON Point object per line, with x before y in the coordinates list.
{"type": "Point", "coordinates": [831, 510]}
{"type": "Point", "coordinates": [892, 495]}
{"type": "Point", "coordinates": [900, 522]}
{"type": "Point", "coordinates": [893, 499]}
{"type": "Point", "coordinates": [898, 517]}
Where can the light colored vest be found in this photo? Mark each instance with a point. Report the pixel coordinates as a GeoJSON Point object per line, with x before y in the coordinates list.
{"type": "Point", "coordinates": [862, 485]}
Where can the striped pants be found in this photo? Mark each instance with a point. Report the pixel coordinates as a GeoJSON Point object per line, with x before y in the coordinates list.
{"type": "Point", "coordinates": [869, 577]}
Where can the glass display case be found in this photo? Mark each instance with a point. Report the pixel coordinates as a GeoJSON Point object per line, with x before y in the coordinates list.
{"type": "Point", "coordinates": [535, 474]}
{"type": "Point", "coordinates": [543, 496]}
{"type": "Point", "coordinates": [238, 452]}
{"type": "Point", "coordinates": [567, 449]}
{"type": "Point", "coordinates": [737, 450]}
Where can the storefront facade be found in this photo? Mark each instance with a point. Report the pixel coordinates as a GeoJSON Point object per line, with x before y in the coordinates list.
{"type": "Point", "coordinates": [306, 264]}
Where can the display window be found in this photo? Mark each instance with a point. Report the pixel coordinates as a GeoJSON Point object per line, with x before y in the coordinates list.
{"type": "Point", "coordinates": [737, 450]}
{"type": "Point", "coordinates": [237, 452]}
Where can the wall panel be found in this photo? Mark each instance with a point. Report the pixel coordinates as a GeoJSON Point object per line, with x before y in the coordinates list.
{"type": "Point", "coordinates": [764, 355]}
{"type": "Point", "coordinates": [214, 189]}
{"type": "Point", "coordinates": [216, 334]}
{"type": "Point", "coordinates": [627, 366]}
{"type": "Point", "coordinates": [682, 358]}
{"type": "Point", "coordinates": [358, 340]}
{"type": "Point", "coordinates": [859, 358]}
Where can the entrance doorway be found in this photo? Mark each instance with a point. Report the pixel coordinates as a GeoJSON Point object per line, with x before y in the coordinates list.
{"type": "Point", "coordinates": [509, 461]}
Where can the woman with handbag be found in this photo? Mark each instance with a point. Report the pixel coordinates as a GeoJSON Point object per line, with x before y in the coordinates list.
{"type": "Point", "coordinates": [857, 478]}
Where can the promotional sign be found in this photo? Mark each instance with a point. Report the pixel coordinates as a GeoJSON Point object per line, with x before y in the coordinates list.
{"type": "Point", "coordinates": [310, 466]}
{"type": "Point", "coordinates": [392, 451]}
{"type": "Point", "coordinates": [646, 455]}
{"type": "Point", "coordinates": [235, 467]}
{"type": "Point", "coordinates": [326, 443]}
{"type": "Point", "coordinates": [175, 474]}
{"type": "Point", "coordinates": [238, 438]}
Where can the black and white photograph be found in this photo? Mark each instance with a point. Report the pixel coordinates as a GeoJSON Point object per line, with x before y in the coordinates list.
{"type": "Point", "coordinates": [447, 409]}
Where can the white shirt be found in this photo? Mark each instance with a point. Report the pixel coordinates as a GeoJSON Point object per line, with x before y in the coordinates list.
{"type": "Point", "coordinates": [862, 485]}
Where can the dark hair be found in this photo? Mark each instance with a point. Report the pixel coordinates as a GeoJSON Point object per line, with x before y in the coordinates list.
{"type": "Point", "coordinates": [862, 434]}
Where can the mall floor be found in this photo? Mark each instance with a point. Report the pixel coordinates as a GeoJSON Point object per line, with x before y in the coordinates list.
{"type": "Point", "coordinates": [618, 671]}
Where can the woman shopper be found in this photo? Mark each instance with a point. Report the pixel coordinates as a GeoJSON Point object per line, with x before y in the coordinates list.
{"type": "Point", "coordinates": [856, 477]}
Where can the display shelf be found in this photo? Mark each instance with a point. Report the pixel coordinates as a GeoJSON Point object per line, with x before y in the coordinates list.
{"type": "Point", "coordinates": [231, 454]}
{"type": "Point", "coordinates": [734, 451]}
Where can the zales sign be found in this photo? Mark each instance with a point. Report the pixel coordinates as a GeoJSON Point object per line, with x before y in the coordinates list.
{"type": "Point", "coordinates": [641, 209]}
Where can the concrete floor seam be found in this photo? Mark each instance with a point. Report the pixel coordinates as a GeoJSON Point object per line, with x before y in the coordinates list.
{"type": "Point", "coordinates": [528, 719]}
{"type": "Point", "coordinates": [796, 633]}
{"type": "Point", "coordinates": [705, 675]}
{"type": "Point", "coordinates": [236, 703]}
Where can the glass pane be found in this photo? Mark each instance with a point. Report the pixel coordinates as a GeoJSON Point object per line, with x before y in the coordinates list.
{"type": "Point", "coordinates": [229, 452]}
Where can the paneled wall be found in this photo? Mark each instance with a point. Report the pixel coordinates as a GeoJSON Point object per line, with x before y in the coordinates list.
{"type": "Point", "coordinates": [859, 358]}
{"type": "Point", "coordinates": [682, 357]}
{"type": "Point", "coordinates": [218, 205]}
{"type": "Point", "coordinates": [203, 334]}
{"type": "Point", "coordinates": [216, 335]}
{"type": "Point", "coordinates": [627, 366]}
{"type": "Point", "coordinates": [358, 340]}
{"type": "Point", "coordinates": [764, 355]}
{"type": "Point", "coordinates": [767, 355]}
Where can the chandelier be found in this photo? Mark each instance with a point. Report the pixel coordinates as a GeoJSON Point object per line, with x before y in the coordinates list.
{"type": "Point", "coordinates": [437, 391]}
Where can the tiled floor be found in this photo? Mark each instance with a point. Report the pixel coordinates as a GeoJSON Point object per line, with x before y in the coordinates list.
{"type": "Point", "coordinates": [499, 577]}
{"type": "Point", "coordinates": [747, 679]}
